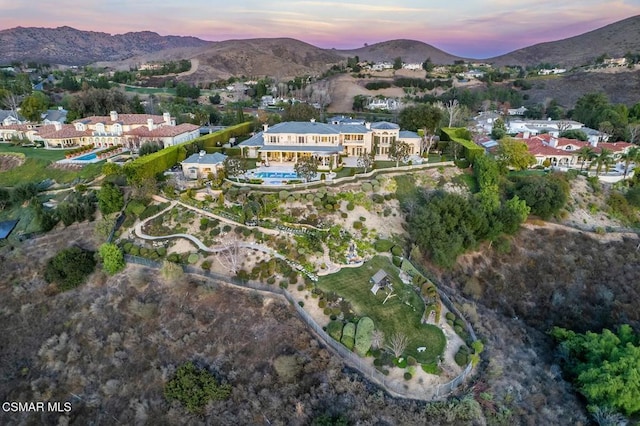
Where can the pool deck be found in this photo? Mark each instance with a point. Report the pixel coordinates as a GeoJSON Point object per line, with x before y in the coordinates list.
{"type": "Point", "coordinates": [96, 151]}
{"type": "Point", "coordinates": [278, 169]}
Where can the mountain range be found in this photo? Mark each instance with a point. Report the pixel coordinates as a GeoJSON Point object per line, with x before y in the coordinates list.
{"type": "Point", "coordinates": [285, 56]}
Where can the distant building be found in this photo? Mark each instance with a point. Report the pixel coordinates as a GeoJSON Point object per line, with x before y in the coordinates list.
{"type": "Point", "coordinates": [552, 71]}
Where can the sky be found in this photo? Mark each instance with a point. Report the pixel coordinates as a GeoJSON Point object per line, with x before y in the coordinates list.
{"type": "Point", "coordinates": [468, 28]}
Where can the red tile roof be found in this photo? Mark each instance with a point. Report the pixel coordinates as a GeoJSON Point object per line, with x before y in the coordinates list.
{"type": "Point", "coordinates": [163, 131]}
{"type": "Point", "coordinates": [125, 119]}
{"type": "Point", "coordinates": [66, 131]}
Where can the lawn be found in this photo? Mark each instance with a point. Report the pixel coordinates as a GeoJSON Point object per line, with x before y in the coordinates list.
{"type": "Point", "coordinates": [35, 168]}
{"type": "Point", "coordinates": [401, 313]}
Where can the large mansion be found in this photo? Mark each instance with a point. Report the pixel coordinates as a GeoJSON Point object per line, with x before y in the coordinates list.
{"type": "Point", "coordinates": [128, 130]}
{"type": "Point", "coordinates": [289, 141]}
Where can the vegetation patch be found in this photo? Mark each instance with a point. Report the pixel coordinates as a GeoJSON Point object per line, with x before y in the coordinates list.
{"type": "Point", "coordinates": [70, 267]}
{"type": "Point", "coordinates": [194, 387]}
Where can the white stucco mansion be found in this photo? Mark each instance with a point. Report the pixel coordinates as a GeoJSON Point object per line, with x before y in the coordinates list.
{"type": "Point", "coordinates": [128, 130]}
{"type": "Point", "coordinates": [287, 142]}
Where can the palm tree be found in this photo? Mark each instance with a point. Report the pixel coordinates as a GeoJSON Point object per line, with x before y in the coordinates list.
{"type": "Point", "coordinates": [587, 153]}
{"type": "Point", "coordinates": [633, 155]}
{"type": "Point", "coordinates": [604, 159]}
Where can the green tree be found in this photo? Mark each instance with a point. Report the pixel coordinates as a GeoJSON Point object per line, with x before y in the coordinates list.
{"type": "Point", "coordinates": [397, 63]}
{"type": "Point", "coordinates": [513, 213]}
{"type": "Point", "coordinates": [110, 198]}
{"type": "Point", "coordinates": [112, 169]}
{"type": "Point", "coordinates": [306, 168]}
{"type": "Point", "coordinates": [631, 156]}
{"type": "Point", "coordinates": [427, 65]}
{"type": "Point", "coordinates": [70, 267]}
{"type": "Point", "coordinates": [604, 159]}
{"type": "Point", "coordinates": [422, 117]}
{"type": "Point", "coordinates": [33, 106]}
{"type": "Point", "coordinates": [604, 366]}
{"type": "Point", "coordinates": [515, 154]}
{"type": "Point", "coordinates": [5, 198]}
{"type": "Point", "coordinates": [499, 129]}
{"type": "Point", "coordinates": [112, 258]}
{"type": "Point", "coordinates": [587, 154]}
{"type": "Point", "coordinates": [194, 388]}
{"type": "Point", "coordinates": [399, 151]}
{"type": "Point", "coordinates": [300, 112]}
{"type": "Point", "coordinates": [574, 134]}
{"type": "Point", "coordinates": [545, 195]}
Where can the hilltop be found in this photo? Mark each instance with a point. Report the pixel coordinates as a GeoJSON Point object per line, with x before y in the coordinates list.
{"type": "Point", "coordinates": [411, 51]}
{"type": "Point", "coordinates": [613, 40]}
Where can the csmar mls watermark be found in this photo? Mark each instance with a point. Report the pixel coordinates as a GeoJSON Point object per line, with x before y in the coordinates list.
{"type": "Point", "coordinates": [36, 407]}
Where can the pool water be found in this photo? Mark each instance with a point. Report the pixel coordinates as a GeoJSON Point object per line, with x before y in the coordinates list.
{"type": "Point", "coordinates": [276, 175]}
{"type": "Point", "coordinates": [87, 157]}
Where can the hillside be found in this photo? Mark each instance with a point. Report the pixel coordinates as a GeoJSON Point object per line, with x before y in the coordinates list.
{"type": "Point", "coordinates": [614, 40]}
{"type": "Point", "coordinates": [411, 51]}
{"type": "Point", "coordinates": [69, 46]}
{"type": "Point", "coordinates": [279, 57]}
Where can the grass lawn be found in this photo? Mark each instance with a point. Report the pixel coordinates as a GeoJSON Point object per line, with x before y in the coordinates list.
{"type": "Point", "coordinates": [528, 172]}
{"type": "Point", "coordinates": [35, 168]}
{"type": "Point", "coordinates": [401, 313]}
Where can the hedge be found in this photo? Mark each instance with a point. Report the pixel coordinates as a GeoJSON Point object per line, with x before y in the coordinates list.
{"type": "Point", "coordinates": [210, 141]}
{"type": "Point", "coordinates": [463, 137]}
{"type": "Point", "coordinates": [348, 335]}
{"type": "Point", "coordinates": [383, 246]}
{"type": "Point", "coordinates": [150, 165]}
{"type": "Point", "coordinates": [364, 332]}
{"type": "Point", "coordinates": [334, 329]}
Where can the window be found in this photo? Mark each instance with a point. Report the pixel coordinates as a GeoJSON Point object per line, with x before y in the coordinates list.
{"type": "Point", "coordinates": [301, 139]}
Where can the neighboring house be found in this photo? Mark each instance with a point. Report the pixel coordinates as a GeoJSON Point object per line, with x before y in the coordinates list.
{"type": "Point", "coordinates": [387, 104]}
{"type": "Point", "coordinates": [517, 111]}
{"type": "Point", "coordinates": [552, 71]}
{"type": "Point", "coordinates": [128, 130]}
{"type": "Point", "coordinates": [413, 67]}
{"type": "Point", "coordinates": [199, 166]}
{"type": "Point", "coordinates": [484, 121]}
{"type": "Point", "coordinates": [553, 127]}
{"type": "Point", "coordinates": [53, 116]}
{"type": "Point", "coordinates": [563, 152]}
{"type": "Point", "coordinates": [381, 66]}
{"type": "Point", "coordinates": [289, 141]}
{"type": "Point", "coordinates": [8, 118]}
{"type": "Point", "coordinates": [473, 74]}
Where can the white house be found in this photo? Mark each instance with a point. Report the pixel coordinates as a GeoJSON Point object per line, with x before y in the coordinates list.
{"type": "Point", "coordinates": [198, 166]}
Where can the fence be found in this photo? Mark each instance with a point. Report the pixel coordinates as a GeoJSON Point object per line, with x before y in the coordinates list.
{"type": "Point", "coordinates": [347, 179]}
{"type": "Point", "coordinates": [394, 386]}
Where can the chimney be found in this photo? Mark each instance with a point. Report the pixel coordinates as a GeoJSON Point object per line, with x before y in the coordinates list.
{"type": "Point", "coordinates": [57, 125]}
{"type": "Point", "coordinates": [553, 141]}
{"type": "Point", "coordinates": [150, 123]}
{"type": "Point", "coordinates": [526, 135]}
{"type": "Point", "coordinates": [114, 116]}
{"type": "Point", "coordinates": [265, 127]}
{"type": "Point", "coordinates": [313, 120]}
{"type": "Point", "coordinates": [594, 142]}
{"type": "Point", "coordinates": [167, 118]}
{"type": "Point", "coordinates": [367, 125]}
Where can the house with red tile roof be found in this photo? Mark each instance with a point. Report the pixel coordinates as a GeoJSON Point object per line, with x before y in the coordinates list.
{"type": "Point", "coordinates": [128, 130]}
{"type": "Point", "coordinates": [564, 152]}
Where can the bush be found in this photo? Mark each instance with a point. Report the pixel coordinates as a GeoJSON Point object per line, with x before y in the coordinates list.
{"type": "Point", "coordinates": [334, 329]}
{"type": "Point", "coordinates": [411, 361]}
{"type": "Point", "coordinates": [193, 258]}
{"type": "Point", "coordinates": [348, 335]}
{"type": "Point", "coordinates": [271, 280]}
{"type": "Point", "coordinates": [70, 267]}
{"type": "Point", "coordinates": [396, 251]}
{"type": "Point", "coordinates": [377, 198]}
{"type": "Point", "coordinates": [194, 388]}
{"type": "Point", "coordinates": [407, 376]}
{"type": "Point", "coordinates": [367, 187]}
{"type": "Point", "coordinates": [350, 206]}
{"type": "Point", "coordinates": [364, 332]}
{"type": "Point", "coordinates": [322, 303]}
{"type": "Point", "coordinates": [397, 261]}
{"type": "Point", "coordinates": [357, 225]}
{"type": "Point", "coordinates": [206, 265]}
{"type": "Point", "coordinates": [461, 357]}
{"type": "Point", "coordinates": [382, 246]}
{"type": "Point", "coordinates": [450, 316]}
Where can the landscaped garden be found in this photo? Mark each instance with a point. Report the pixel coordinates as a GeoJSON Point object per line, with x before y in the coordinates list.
{"type": "Point", "coordinates": [399, 314]}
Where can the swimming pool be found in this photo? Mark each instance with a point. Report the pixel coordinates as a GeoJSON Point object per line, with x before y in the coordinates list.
{"type": "Point", "coordinates": [276, 175]}
{"type": "Point", "coordinates": [87, 157]}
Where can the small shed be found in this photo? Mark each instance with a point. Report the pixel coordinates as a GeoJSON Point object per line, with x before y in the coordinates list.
{"type": "Point", "coordinates": [379, 280]}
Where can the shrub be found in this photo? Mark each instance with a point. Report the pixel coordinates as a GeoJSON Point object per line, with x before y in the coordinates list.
{"type": "Point", "coordinates": [462, 356]}
{"type": "Point", "coordinates": [271, 280]}
{"type": "Point", "coordinates": [377, 198]}
{"type": "Point", "coordinates": [206, 265]}
{"type": "Point", "coordinates": [396, 251]}
{"type": "Point", "coordinates": [348, 335]}
{"type": "Point", "coordinates": [450, 316]}
{"type": "Point", "coordinates": [397, 261]}
{"type": "Point", "coordinates": [344, 215]}
{"type": "Point", "coordinates": [382, 246]}
{"type": "Point", "coordinates": [367, 187]}
{"type": "Point", "coordinates": [326, 311]}
{"type": "Point", "coordinates": [357, 225]}
{"type": "Point", "coordinates": [322, 303]}
{"type": "Point", "coordinates": [193, 258]}
{"type": "Point", "coordinates": [70, 267]}
{"type": "Point", "coordinates": [411, 361]}
{"type": "Point", "coordinates": [364, 332]}
{"type": "Point", "coordinates": [301, 303]}
{"type": "Point", "coordinates": [194, 388]}
{"type": "Point", "coordinates": [334, 329]}
{"type": "Point", "coordinates": [350, 206]}
{"type": "Point", "coordinates": [407, 376]}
